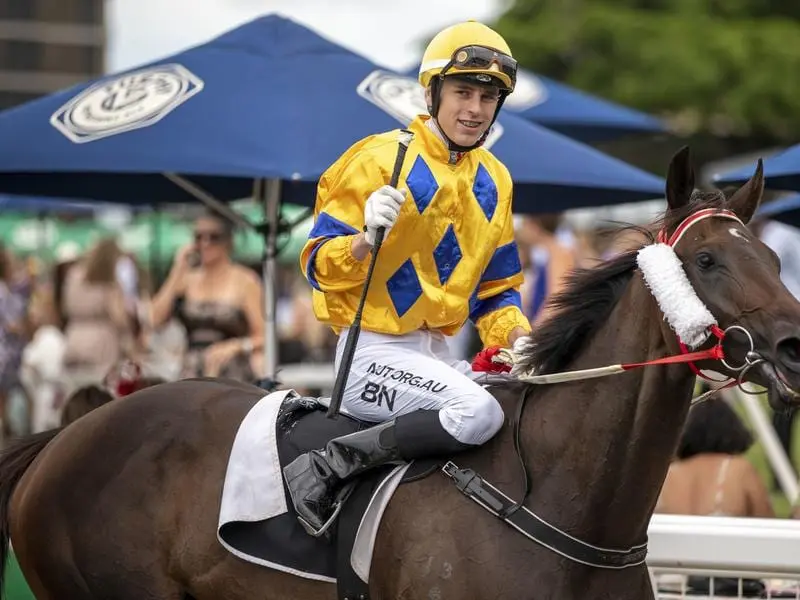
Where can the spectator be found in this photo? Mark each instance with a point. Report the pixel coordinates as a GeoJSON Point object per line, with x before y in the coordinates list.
{"type": "Point", "coordinates": [218, 302]}
{"type": "Point", "coordinates": [549, 258]}
{"type": "Point", "coordinates": [42, 369]}
{"type": "Point", "coordinates": [711, 475]}
{"type": "Point", "coordinates": [98, 330]}
{"type": "Point", "coordinates": [14, 294]}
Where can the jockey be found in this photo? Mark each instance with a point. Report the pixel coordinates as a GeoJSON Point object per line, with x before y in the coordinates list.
{"type": "Point", "coordinates": [449, 254]}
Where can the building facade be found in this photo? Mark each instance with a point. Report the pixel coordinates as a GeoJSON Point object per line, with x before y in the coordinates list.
{"type": "Point", "coordinates": [48, 45]}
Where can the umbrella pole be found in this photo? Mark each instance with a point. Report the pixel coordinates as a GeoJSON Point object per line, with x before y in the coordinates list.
{"type": "Point", "coordinates": [272, 208]}
{"type": "Point", "coordinates": [155, 232]}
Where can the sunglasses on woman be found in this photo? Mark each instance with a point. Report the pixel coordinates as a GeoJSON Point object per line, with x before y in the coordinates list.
{"type": "Point", "coordinates": [212, 237]}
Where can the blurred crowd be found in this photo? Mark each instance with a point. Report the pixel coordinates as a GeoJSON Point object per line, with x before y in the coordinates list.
{"type": "Point", "coordinates": [76, 323]}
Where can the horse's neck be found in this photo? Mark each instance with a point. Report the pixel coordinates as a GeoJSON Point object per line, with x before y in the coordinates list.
{"type": "Point", "coordinates": [600, 448]}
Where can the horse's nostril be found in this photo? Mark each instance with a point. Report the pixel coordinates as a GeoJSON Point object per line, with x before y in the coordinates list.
{"type": "Point", "coordinates": [789, 349]}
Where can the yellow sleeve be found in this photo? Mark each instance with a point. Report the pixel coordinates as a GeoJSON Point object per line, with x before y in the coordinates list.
{"type": "Point", "coordinates": [327, 260]}
{"type": "Point", "coordinates": [496, 306]}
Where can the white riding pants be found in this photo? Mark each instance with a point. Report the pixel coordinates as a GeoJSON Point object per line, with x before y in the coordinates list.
{"type": "Point", "coordinates": [395, 375]}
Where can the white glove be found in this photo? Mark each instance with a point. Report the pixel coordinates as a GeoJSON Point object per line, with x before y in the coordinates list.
{"type": "Point", "coordinates": [510, 356]}
{"type": "Point", "coordinates": [381, 210]}
{"type": "Point", "coordinates": [520, 344]}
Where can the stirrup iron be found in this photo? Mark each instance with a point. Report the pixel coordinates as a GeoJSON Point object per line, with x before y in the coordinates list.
{"type": "Point", "coordinates": [324, 529]}
{"type": "Point", "coordinates": [341, 498]}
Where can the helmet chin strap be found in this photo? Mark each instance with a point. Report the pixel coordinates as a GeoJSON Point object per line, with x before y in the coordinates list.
{"type": "Point", "coordinates": [433, 109]}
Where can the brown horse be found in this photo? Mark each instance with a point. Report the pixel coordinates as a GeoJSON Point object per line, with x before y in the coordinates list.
{"type": "Point", "coordinates": [123, 504]}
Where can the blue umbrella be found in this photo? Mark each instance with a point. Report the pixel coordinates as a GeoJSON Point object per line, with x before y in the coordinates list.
{"type": "Point", "coordinates": [782, 171]}
{"type": "Point", "coordinates": [268, 100]}
{"type": "Point", "coordinates": [786, 210]}
{"type": "Point", "coordinates": [575, 113]}
{"type": "Point", "coordinates": [572, 112]}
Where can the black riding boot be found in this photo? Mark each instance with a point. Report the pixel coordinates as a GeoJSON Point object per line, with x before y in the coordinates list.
{"type": "Point", "coordinates": [313, 479]}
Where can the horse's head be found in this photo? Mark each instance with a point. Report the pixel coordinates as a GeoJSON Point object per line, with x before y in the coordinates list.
{"type": "Point", "coordinates": [737, 277]}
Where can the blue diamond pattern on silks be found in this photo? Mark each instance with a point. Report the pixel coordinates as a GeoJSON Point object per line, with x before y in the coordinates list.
{"type": "Point", "coordinates": [447, 254]}
{"type": "Point", "coordinates": [485, 191]}
{"type": "Point", "coordinates": [404, 287]}
{"type": "Point", "coordinates": [422, 184]}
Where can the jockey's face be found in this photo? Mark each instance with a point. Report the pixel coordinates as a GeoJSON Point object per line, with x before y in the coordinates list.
{"type": "Point", "coordinates": [465, 109]}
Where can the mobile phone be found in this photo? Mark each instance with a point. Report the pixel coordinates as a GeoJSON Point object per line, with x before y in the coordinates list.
{"type": "Point", "coordinates": [193, 259]}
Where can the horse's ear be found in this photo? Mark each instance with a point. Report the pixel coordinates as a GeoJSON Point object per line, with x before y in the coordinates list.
{"type": "Point", "coordinates": [680, 179]}
{"type": "Point", "coordinates": [744, 202]}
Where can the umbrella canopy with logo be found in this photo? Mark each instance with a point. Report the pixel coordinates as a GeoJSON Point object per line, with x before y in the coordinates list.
{"type": "Point", "coordinates": [271, 100]}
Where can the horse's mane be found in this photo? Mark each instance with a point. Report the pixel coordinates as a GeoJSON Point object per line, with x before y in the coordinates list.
{"type": "Point", "coordinates": [590, 294]}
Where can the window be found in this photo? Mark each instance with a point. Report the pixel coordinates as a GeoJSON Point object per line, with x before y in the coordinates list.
{"type": "Point", "coordinates": [58, 58]}
{"type": "Point", "coordinates": [89, 11]}
{"type": "Point", "coordinates": [20, 56]}
{"type": "Point", "coordinates": [17, 9]}
{"type": "Point", "coordinates": [69, 11]}
{"type": "Point", "coordinates": [51, 58]}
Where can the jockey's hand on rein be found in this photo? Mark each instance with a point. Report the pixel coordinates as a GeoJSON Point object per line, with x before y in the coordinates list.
{"type": "Point", "coordinates": [485, 361]}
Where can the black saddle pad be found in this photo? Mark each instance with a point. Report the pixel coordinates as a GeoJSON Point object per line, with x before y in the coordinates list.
{"type": "Point", "coordinates": [281, 542]}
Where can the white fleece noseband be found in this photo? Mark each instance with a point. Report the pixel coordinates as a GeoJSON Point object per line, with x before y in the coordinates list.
{"type": "Point", "coordinates": [663, 273]}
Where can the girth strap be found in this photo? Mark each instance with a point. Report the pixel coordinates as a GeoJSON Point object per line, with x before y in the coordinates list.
{"type": "Point", "coordinates": [540, 531]}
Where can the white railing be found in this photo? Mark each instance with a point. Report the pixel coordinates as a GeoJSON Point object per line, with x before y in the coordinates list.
{"type": "Point", "coordinates": [759, 545]}
{"type": "Point", "coordinates": [714, 586]}
{"type": "Point", "coordinates": [736, 554]}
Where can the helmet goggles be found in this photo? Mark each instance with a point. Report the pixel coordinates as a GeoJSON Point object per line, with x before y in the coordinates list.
{"type": "Point", "coordinates": [481, 58]}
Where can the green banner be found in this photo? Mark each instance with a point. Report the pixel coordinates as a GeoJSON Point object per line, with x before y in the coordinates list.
{"type": "Point", "coordinates": [152, 237]}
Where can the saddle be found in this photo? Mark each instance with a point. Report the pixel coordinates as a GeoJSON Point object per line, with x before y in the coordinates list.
{"type": "Point", "coordinates": [281, 542]}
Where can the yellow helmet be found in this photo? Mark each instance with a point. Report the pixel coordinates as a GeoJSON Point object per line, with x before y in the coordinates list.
{"type": "Point", "coordinates": [469, 48]}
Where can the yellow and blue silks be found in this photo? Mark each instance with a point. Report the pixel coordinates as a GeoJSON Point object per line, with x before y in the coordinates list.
{"type": "Point", "coordinates": [450, 256]}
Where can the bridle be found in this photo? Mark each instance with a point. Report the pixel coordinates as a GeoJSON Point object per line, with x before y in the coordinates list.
{"type": "Point", "coordinates": [752, 358]}
{"type": "Point", "coordinates": [689, 318]}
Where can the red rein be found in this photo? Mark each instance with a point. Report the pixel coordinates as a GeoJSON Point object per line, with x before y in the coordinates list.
{"type": "Point", "coordinates": [713, 353]}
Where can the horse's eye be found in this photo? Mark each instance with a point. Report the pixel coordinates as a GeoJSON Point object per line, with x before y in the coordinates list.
{"type": "Point", "coordinates": [704, 260]}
